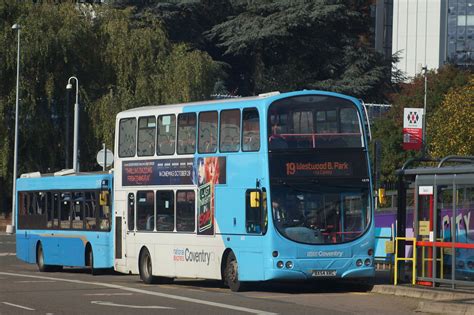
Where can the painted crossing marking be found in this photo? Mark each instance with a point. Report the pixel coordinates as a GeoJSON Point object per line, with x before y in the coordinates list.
{"type": "Point", "coordinates": [35, 281]}
{"type": "Point", "coordinates": [132, 306]}
{"type": "Point", "coordinates": [107, 294]}
{"type": "Point", "coordinates": [136, 290]}
{"type": "Point", "coordinates": [19, 306]}
{"type": "Point", "coordinates": [7, 254]}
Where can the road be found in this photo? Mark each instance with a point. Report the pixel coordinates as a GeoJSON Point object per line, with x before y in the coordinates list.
{"type": "Point", "coordinates": [24, 290]}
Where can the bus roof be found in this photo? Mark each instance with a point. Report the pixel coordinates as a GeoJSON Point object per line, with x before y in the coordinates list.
{"type": "Point", "coordinates": [74, 181]}
{"type": "Point", "coordinates": [265, 97]}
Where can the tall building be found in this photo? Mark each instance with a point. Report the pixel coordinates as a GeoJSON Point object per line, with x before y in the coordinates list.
{"type": "Point", "coordinates": [426, 32]}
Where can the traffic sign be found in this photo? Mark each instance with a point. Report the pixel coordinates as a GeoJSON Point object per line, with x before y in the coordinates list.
{"type": "Point", "coordinates": [105, 156]}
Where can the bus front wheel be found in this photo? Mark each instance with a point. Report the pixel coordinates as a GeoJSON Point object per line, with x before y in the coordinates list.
{"type": "Point", "coordinates": [232, 274]}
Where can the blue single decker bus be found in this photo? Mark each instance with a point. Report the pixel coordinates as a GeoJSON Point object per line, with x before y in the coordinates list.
{"type": "Point", "coordinates": [272, 187]}
{"type": "Point", "coordinates": [65, 220]}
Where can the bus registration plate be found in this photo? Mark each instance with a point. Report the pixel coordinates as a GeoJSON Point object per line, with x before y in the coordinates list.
{"type": "Point", "coordinates": [323, 273]}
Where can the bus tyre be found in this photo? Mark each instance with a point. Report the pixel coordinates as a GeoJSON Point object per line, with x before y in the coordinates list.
{"type": "Point", "coordinates": [145, 267]}
{"type": "Point", "coordinates": [40, 260]}
{"type": "Point", "coordinates": [90, 262]}
{"type": "Point", "coordinates": [231, 274]}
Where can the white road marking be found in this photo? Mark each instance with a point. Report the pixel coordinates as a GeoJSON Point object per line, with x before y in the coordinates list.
{"type": "Point", "coordinates": [7, 254]}
{"type": "Point", "coordinates": [136, 290]}
{"type": "Point", "coordinates": [19, 306]}
{"type": "Point", "coordinates": [131, 306]}
{"type": "Point", "coordinates": [35, 281]}
{"type": "Point", "coordinates": [107, 294]}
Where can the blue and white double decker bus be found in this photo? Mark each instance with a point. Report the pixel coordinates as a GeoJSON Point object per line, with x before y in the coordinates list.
{"type": "Point", "coordinates": [252, 189]}
{"type": "Point", "coordinates": [65, 220]}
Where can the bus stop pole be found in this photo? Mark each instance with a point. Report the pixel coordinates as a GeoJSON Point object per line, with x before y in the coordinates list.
{"type": "Point", "coordinates": [401, 219]}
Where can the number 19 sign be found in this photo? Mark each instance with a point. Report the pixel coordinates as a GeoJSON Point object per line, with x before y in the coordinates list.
{"type": "Point", "coordinates": [412, 128]}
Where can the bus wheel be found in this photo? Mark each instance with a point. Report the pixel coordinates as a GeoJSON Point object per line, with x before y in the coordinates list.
{"type": "Point", "coordinates": [231, 274]}
{"type": "Point", "coordinates": [40, 260]}
{"type": "Point", "coordinates": [145, 267]}
{"type": "Point", "coordinates": [90, 261]}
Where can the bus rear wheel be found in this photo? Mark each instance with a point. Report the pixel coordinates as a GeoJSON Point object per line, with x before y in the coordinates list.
{"type": "Point", "coordinates": [90, 261]}
{"type": "Point", "coordinates": [145, 267]}
{"type": "Point", "coordinates": [231, 274]}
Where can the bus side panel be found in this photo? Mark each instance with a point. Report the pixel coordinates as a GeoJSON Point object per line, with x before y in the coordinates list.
{"type": "Point", "coordinates": [71, 252]}
{"type": "Point", "coordinates": [103, 252]}
{"type": "Point", "coordinates": [22, 246]}
{"type": "Point", "coordinates": [250, 265]}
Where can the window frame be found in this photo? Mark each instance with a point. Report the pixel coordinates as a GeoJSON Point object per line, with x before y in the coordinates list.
{"type": "Point", "coordinates": [190, 114]}
{"type": "Point", "coordinates": [216, 145]}
{"type": "Point", "coordinates": [248, 109]}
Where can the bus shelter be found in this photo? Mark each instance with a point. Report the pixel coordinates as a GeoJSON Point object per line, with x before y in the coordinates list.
{"type": "Point", "coordinates": [442, 245]}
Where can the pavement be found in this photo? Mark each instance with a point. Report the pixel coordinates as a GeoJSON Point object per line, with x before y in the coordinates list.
{"type": "Point", "coordinates": [439, 300]}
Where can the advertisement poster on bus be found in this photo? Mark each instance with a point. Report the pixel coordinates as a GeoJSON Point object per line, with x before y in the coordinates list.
{"type": "Point", "coordinates": [208, 173]}
{"type": "Point", "coordinates": [412, 128]}
{"type": "Point", "coordinates": [157, 172]}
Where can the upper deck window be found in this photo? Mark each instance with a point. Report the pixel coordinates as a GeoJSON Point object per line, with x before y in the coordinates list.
{"type": "Point", "coordinates": [313, 121]}
{"type": "Point", "coordinates": [250, 130]}
{"type": "Point", "coordinates": [146, 136]}
{"type": "Point", "coordinates": [186, 133]}
{"type": "Point", "coordinates": [230, 131]}
{"type": "Point", "coordinates": [166, 135]}
{"type": "Point", "coordinates": [207, 132]}
{"type": "Point", "coordinates": [127, 137]}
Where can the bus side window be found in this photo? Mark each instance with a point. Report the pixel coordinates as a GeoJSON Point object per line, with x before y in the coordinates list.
{"type": "Point", "coordinates": [229, 131]}
{"type": "Point", "coordinates": [145, 210]}
{"type": "Point", "coordinates": [165, 210]}
{"type": "Point", "coordinates": [131, 211]}
{"type": "Point", "coordinates": [166, 138]}
{"type": "Point", "coordinates": [185, 211]}
{"type": "Point", "coordinates": [207, 136]}
{"type": "Point", "coordinates": [250, 130]}
{"type": "Point", "coordinates": [186, 133]}
{"type": "Point", "coordinates": [146, 136]}
{"type": "Point", "coordinates": [127, 137]}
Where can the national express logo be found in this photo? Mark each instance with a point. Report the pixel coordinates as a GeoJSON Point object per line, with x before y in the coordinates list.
{"type": "Point", "coordinates": [413, 117]}
{"type": "Point", "coordinates": [188, 255]}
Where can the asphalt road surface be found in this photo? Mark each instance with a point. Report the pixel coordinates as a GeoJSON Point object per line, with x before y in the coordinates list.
{"type": "Point", "coordinates": [24, 290]}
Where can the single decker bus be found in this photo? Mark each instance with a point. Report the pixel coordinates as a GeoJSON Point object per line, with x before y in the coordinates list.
{"type": "Point", "coordinates": [65, 220]}
{"type": "Point", "coordinates": [272, 187]}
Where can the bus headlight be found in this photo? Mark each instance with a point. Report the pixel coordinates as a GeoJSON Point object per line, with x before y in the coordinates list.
{"type": "Point", "coordinates": [367, 262]}
{"type": "Point", "coordinates": [289, 264]}
{"type": "Point", "coordinates": [280, 264]}
{"type": "Point", "coordinates": [359, 262]}
{"type": "Point", "coordinates": [461, 264]}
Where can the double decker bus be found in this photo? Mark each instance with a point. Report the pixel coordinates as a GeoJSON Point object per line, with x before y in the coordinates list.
{"type": "Point", "coordinates": [252, 189]}
{"type": "Point", "coordinates": [65, 220]}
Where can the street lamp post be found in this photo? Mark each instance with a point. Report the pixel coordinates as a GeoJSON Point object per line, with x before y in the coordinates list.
{"type": "Point", "coordinates": [425, 71]}
{"type": "Point", "coordinates": [75, 162]}
{"type": "Point", "coordinates": [11, 229]}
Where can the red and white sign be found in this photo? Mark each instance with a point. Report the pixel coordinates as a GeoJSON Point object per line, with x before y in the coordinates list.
{"type": "Point", "coordinates": [412, 128]}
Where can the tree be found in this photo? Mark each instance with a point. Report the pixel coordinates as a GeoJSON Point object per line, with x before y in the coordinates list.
{"type": "Point", "coordinates": [389, 129]}
{"type": "Point", "coordinates": [452, 125]}
{"type": "Point", "coordinates": [122, 61]}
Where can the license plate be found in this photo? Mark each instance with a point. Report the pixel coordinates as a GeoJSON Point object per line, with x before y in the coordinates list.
{"type": "Point", "coordinates": [323, 273]}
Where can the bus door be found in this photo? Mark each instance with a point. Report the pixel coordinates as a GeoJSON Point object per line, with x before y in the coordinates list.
{"type": "Point", "coordinates": [124, 230]}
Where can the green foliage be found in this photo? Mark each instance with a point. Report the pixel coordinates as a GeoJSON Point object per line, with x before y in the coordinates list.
{"type": "Point", "coordinates": [452, 125]}
{"type": "Point", "coordinates": [121, 60]}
